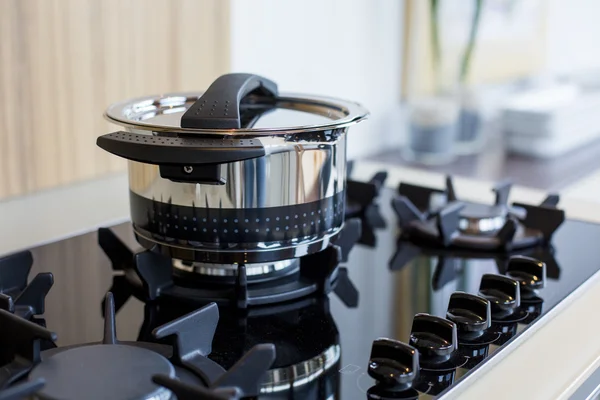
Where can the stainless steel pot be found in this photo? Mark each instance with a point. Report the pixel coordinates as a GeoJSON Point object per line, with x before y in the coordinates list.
{"type": "Point", "coordinates": [238, 174]}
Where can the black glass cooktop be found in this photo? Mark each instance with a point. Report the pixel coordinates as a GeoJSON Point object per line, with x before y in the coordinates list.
{"type": "Point", "coordinates": [322, 345]}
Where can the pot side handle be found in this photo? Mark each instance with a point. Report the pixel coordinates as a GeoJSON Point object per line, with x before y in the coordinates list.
{"type": "Point", "coordinates": [173, 150]}
{"type": "Point", "coordinates": [219, 107]}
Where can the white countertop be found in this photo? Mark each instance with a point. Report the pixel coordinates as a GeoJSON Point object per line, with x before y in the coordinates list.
{"type": "Point", "coordinates": [524, 374]}
{"type": "Point", "coordinates": [55, 214]}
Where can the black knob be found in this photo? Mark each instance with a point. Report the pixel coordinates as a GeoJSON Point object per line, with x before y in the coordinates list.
{"type": "Point", "coordinates": [393, 363]}
{"type": "Point", "coordinates": [379, 392]}
{"type": "Point", "coordinates": [529, 272]}
{"type": "Point", "coordinates": [503, 293]}
{"type": "Point", "coordinates": [435, 338]}
{"type": "Point", "coordinates": [472, 314]}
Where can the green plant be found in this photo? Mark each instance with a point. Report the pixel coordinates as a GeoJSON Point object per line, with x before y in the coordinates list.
{"type": "Point", "coordinates": [435, 43]}
{"type": "Point", "coordinates": [466, 59]}
{"type": "Point", "coordinates": [434, 7]}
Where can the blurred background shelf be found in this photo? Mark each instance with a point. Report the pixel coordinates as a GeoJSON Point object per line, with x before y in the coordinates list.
{"type": "Point", "coordinates": [63, 61]}
{"type": "Point", "coordinates": [495, 163]}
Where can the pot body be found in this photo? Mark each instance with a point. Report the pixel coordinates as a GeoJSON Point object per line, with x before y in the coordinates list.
{"type": "Point", "coordinates": [285, 204]}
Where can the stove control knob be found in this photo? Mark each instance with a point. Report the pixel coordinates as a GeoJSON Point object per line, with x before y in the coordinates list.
{"type": "Point", "coordinates": [472, 314]}
{"type": "Point", "coordinates": [503, 293]}
{"type": "Point", "coordinates": [435, 338]}
{"type": "Point", "coordinates": [393, 363]}
{"type": "Point", "coordinates": [529, 272]}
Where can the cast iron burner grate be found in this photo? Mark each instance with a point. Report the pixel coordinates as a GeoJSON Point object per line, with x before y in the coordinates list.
{"type": "Point", "coordinates": [360, 203]}
{"type": "Point", "coordinates": [152, 276]}
{"type": "Point", "coordinates": [464, 225]}
{"type": "Point", "coordinates": [18, 297]}
{"type": "Point", "coordinates": [22, 390]}
{"type": "Point", "coordinates": [119, 370]}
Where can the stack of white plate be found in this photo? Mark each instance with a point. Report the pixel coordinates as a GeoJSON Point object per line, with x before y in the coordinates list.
{"type": "Point", "coordinates": [551, 121]}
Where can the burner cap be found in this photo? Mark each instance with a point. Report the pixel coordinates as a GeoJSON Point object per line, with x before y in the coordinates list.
{"type": "Point", "coordinates": [103, 372]}
{"type": "Point", "coordinates": [254, 271]}
{"type": "Point", "coordinates": [478, 219]}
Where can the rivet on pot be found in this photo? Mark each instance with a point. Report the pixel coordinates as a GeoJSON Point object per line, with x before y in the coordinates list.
{"type": "Point", "coordinates": [188, 169]}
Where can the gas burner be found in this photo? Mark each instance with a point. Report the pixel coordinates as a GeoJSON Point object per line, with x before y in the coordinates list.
{"type": "Point", "coordinates": [130, 367]}
{"type": "Point", "coordinates": [254, 271]}
{"type": "Point", "coordinates": [112, 363]}
{"type": "Point", "coordinates": [482, 219]}
{"type": "Point", "coordinates": [435, 217]}
{"type": "Point", "coordinates": [16, 296]}
{"type": "Point", "coordinates": [360, 203]}
{"type": "Point", "coordinates": [154, 276]}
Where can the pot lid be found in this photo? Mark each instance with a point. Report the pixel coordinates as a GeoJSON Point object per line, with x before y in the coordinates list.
{"type": "Point", "coordinates": [236, 104]}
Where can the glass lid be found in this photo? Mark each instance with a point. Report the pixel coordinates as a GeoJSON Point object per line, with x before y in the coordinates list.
{"type": "Point", "coordinates": [236, 104]}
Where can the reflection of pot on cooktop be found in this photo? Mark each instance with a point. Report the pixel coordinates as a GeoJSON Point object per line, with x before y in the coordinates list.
{"type": "Point", "coordinates": [304, 334]}
{"type": "Point", "coordinates": [437, 218]}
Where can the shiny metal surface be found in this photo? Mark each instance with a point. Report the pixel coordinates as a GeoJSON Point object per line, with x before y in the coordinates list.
{"type": "Point", "coordinates": [304, 164]}
{"type": "Point", "coordinates": [260, 253]}
{"type": "Point", "coordinates": [284, 378]}
{"type": "Point", "coordinates": [481, 226]}
{"type": "Point", "coordinates": [292, 172]}
{"type": "Point", "coordinates": [297, 170]}
{"type": "Point", "coordinates": [255, 269]}
{"type": "Point", "coordinates": [162, 113]}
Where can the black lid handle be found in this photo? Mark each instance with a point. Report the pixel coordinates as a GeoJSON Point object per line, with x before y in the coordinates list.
{"type": "Point", "coordinates": [175, 150]}
{"type": "Point", "coordinates": [219, 106]}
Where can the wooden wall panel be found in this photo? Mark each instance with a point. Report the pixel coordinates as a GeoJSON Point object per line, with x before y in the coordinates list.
{"type": "Point", "coordinates": [63, 61]}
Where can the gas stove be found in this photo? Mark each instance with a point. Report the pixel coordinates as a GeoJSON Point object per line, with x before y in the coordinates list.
{"type": "Point", "coordinates": [417, 293]}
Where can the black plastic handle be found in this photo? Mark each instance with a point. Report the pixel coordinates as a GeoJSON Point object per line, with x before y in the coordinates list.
{"type": "Point", "coordinates": [219, 106]}
{"type": "Point", "coordinates": [433, 336]}
{"type": "Point", "coordinates": [171, 150]}
{"type": "Point", "coordinates": [503, 293]}
{"type": "Point", "coordinates": [470, 313]}
{"type": "Point", "coordinates": [529, 272]}
{"type": "Point", "coordinates": [393, 363]}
